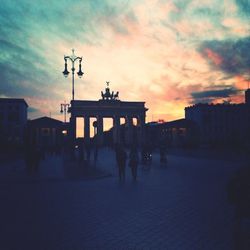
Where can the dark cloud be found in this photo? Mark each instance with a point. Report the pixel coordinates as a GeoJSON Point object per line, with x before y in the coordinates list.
{"type": "Point", "coordinates": [67, 20]}
{"type": "Point", "coordinates": [244, 6]}
{"type": "Point", "coordinates": [218, 87]}
{"type": "Point", "coordinates": [234, 55]}
{"type": "Point", "coordinates": [21, 71]}
{"type": "Point", "coordinates": [33, 110]}
{"type": "Point", "coordinates": [11, 82]}
{"type": "Point", "coordinates": [212, 94]}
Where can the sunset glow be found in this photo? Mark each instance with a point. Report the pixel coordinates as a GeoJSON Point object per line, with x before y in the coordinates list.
{"type": "Point", "coordinates": [168, 53]}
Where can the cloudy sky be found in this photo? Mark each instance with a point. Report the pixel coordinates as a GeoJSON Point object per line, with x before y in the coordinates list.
{"type": "Point", "coordinates": [168, 53]}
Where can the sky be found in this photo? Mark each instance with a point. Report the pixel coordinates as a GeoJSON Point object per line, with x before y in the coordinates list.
{"type": "Point", "coordinates": [168, 53]}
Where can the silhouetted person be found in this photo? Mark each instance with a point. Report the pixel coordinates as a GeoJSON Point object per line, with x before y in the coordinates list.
{"type": "Point", "coordinates": [36, 159]}
{"type": "Point", "coordinates": [121, 158]}
{"type": "Point", "coordinates": [28, 157]}
{"type": "Point", "coordinates": [143, 154]}
{"type": "Point", "coordinates": [32, 158]}
{"type": "Point", "coordinates": [239, 196]}
{"type": "Point", "coordinates": [146, 154]}
{"type": "Point", "coordinates": [81, 153]}
{"type": "Point", "coordinates": [95, 154]}
{"type": "Point", "coordinates": [163, 152]}
{"type": "Point", "coordinates": [133, 161]}
{"type": "Point", "coordinates": [88, 150]}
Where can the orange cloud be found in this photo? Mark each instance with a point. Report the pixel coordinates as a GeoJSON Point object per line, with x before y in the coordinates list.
{"type": "Point", "coordinates": [214, 57]}
{"type": "Point", "coordinates": [146, 56]}
{"type": "Point", "coordinates": [242, 82]}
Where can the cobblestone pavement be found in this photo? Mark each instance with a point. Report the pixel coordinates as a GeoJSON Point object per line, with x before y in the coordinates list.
{"type": "Point", "coordinates": [181, 206]}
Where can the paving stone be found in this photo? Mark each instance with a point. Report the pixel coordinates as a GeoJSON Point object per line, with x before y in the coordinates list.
{"type": "Point", "coordinates": [183, 206]}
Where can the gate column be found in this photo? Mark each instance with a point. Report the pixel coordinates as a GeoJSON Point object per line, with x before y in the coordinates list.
{"type": "Point", "coordinates": [100, 130]}
{"type": "Point", "coordinates": [141, 125]}
{"type": "Point", "coordinates": [116, 129]}
{"type": "Point", "coordinates": [73, 128]}
{"type": "Point", "coordinates": [86, 128]}
{"type": "Point", "coordinates": [129, 125]}
{"type": "Point", "coordinates": [72, 135]}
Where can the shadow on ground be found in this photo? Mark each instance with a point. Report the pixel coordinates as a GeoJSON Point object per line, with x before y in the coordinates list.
{"type": "Point", "coordinates": [83, 171]}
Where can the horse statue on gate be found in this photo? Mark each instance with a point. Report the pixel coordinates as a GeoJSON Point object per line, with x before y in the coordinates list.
{"type": "Point", "coordinates": [116, 95]}
{"type": "Point", "coordinates": [109, 96]}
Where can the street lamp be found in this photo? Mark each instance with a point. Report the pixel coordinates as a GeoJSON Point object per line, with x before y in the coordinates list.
{"type": "Point", "coordinates": [73, 58]}
{"type": "Point", "coordinates": [64, 109]}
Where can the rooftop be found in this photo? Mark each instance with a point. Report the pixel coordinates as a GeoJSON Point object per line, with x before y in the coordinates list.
{"type": "Point", "coordinates": [13, 100]}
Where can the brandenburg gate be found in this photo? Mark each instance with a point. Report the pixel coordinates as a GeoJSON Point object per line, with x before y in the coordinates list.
{"type": "Point", "coordinates": [109, 106]}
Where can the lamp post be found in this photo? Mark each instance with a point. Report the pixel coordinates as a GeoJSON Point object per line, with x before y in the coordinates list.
{"type": "Point", "coordinates": [64, 109]}
{"type": "Point", "coordinates": [73, 58]}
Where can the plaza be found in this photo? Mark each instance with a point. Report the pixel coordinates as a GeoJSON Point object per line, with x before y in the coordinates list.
{"type": "Point", "coordinates": [181, 206]}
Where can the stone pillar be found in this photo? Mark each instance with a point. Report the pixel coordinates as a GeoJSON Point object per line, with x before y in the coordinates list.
{"type": "Point", "coordinates": [100, 130]}
{"type": "Point", "coordinates": [129, 128]}
{"type": "Point", "coordinates": [72, 136]}
{"type": "Point", "coordinates": [73, 127]}
{"type": "Point", "coordinates": [141, 130]}
{"type": "Point", "coordinates": [86, 128]}
{"type": "Point", "coordinates": [116, 130]}
{"type": "Point", "coordinates": [72, 120]}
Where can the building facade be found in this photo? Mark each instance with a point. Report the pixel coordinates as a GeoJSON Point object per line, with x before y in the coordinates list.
{"type": "Point", "coordinates": [221, 124]}
{"type": "Point", "coordinates": [177, 133]}
{"type": "Point", "coordinates": [13, 120]}
{"type": "Point", "coordinates": [45, 133]}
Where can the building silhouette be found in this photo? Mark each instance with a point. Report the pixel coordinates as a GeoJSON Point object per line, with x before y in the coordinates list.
{"type": "Point", "coordinates": [212, 125]}
{"type": "Point", "coordinates": [221, 124]}
{"type": "Point", "coordinates": [45, 133]}
{"type": "Point", "coordinates": [247, 97]}
{"type": "Point", "coordinates": [13, 120]}
{"type": "Point", "coordinates": [177, 133]}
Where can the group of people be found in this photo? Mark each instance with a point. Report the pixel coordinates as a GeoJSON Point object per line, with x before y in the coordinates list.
{"type": "Point", "coordinates": [122, 158]}
{"type": "Point", "coordinates": [33, 156]}
{"type": "Point", "coordinates": [146, 154]}
{"type": "Point", "coordinates": [133, 158]}
{"type": "Point", "coordinates": [84, 151]}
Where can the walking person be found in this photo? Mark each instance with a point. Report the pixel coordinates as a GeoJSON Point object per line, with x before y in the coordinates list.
{"type": "Point", "coordinates": [36, 159]}
{"type": "Point", "coordinates": [81, 158]}
{"type": "Point", "coordinates": [239, 196]}
{"type": "Point", "coordinates": [133, 161]}
{"type": "Point", "coordinates": [163, 152]}
{"type": "Point", "coordinates": [32, 157]}
{"type": "Point", "coordinates": [95, 154]}
{"type": "Point", "coordinates": [28, 158]}
{"type": "Point", "coordinates": [88, 148]}
{"type": "Point", "coordinates": [121, 158]}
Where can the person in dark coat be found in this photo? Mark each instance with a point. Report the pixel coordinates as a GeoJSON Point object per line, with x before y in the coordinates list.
{"type": "Point", "coordinates": [95, 154]}
{"type": "Point", "coordinates": [133, 161]}
{"type": "Point", "coordinates": [36, 159]}
{"type": "Point", "coordinates": [163, 152]}
{"type": "Point", "coordinates": [121, 158]}
{"type": "Point", "coordinates": [81, 154]}
{"type": "Point", "coordinates": [88, 148]}
{"type": "Point", "coordinates": [239, 196]}
{"type": "Point", "coordinates": [32, 157]}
